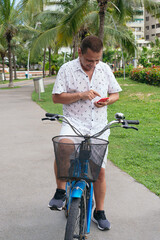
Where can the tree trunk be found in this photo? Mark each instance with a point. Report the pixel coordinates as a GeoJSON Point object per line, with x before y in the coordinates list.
{"type": "Point", "coordinates": [75, 40]}
{"type": "Point", "coordinates": [50, 61]}
{"type": "Point", "coordinates": [44, 62]}
{"type": "Point", "coordinates": [14, 64]}
{"type": "Point", "coordinates": [3, 56]}
{"type": "Point", "coordinates": [102, 11]}
{"type": "Point", "coordinates": [10, 63]}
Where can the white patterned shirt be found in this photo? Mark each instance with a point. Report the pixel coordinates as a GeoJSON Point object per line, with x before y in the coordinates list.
{"type": "Point", "coordinates": [83, 114]}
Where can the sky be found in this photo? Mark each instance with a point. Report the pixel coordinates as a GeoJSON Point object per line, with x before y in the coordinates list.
{"type": "Point", "coordinates": [17, 1]}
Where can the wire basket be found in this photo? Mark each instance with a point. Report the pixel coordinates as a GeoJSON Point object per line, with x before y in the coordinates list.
{"type": "Point", "coordinates": [79, 158]}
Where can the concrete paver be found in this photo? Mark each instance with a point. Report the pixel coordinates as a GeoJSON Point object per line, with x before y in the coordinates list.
{"type": "Point", "coordinates": [27, 181]}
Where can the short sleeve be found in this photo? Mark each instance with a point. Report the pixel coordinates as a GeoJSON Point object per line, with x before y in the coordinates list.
{"type": "Point", "coordinates": [60, 83]}
{"type": "Point", "coordinates": [113, 86]}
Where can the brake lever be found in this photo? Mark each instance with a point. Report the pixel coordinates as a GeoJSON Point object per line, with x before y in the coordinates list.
{"type": "Point", "coordinates": [50, 119]}
{"type": "Point", "coordinates": [126, 127]}
{"type": "Point", "coordinates": [43, 119]}
{"type": "Point", "coordinates": [135, 128]}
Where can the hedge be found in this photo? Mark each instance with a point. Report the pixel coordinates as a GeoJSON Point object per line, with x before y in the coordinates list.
{"type": "Point", "coordinates": [146, 75]}
{"type": "Point", "coordinates": [120, 73]}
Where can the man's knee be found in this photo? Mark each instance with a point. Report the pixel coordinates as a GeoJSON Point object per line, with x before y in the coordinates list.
{"type": "Point", "coordinates": [101, 176]}
{"type": "Point", "coordinates": [66, 145]}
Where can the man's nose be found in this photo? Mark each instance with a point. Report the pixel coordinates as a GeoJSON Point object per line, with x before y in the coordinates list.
{"type": "Point", "coordinates": [94, 63]}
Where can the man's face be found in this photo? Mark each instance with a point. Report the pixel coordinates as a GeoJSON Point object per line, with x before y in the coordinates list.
{"type": "Point", "coordinates": [89, 59]}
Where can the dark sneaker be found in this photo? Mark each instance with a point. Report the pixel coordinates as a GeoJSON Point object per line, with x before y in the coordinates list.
{"type": "Point", "coordinates": [101, 220]}
{"type": "Point", "coordinates": [58, 201]}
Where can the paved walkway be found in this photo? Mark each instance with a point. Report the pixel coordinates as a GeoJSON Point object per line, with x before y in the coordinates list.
{"type": "Point", "coordinates": [27, 181]}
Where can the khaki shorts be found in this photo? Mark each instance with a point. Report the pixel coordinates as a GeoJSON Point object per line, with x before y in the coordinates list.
{"type": "Point", "coordinates": [67, 130]}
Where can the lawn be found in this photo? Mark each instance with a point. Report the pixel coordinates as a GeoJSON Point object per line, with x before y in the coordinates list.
{"type": "Point", "coordinates": [15, 80]}
{"type": "Point", "coordinates": [137, 153]}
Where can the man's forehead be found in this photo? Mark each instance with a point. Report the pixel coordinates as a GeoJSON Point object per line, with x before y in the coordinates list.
{"type": "Point", "coordinates": [90, 55]}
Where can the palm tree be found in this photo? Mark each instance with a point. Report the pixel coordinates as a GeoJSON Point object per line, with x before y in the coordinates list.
{"type": "Point", "coordinates": [36, 21]}
{"type": "Point", "coordinates": [3, 53]}
{"type": "Point", "coordinates": [63, 29]}
{"type": "Point", "coordinates": [102, 11]}
{"type": "Point", "coordinates": [8, 25]}
{"type": "Point", "coordinates": [45, 38]}
{"type": "Point", "coordinates": [124, 8]}
{"type": "Point", "coordinates": [76, 20]}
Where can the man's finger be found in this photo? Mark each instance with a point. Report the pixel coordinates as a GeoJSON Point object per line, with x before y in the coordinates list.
{"type": "Point", "coordinates": [96, 93]}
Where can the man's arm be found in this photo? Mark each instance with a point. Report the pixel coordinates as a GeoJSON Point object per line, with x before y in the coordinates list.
{"type": "Point", "coordinates": [68, 98]}
{"type": "Point", "coordinates": [113, 97]}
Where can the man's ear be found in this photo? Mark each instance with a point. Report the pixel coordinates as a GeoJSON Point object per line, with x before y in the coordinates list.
{"type": "Point", "coordinates": [79, 52]}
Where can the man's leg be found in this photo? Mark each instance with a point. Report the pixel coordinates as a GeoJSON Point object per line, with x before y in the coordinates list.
{"type": "Point", "coordinates": [99, 192]}
{"type": "Point", "coordinates": [65, 149]}
{"type": "Point", "coordinates": [60, 184]}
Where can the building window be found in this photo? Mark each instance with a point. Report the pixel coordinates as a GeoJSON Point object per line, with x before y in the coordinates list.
{"type": "Point", "coordinates": [138, 29]}
{"type": "Point", "coordinates": [158, 34]}
{"type": "Point", "coordinates": [147, 18]}
{"type": "Point", "coordinates": [153, 35]}
{"type": "Point", "coordinates": [147, 27]}
{"type": "Point", "coordinates": [153, 26]}
{"type": "Point", "coordinates": [138, 37]}
{"type": "Point", "coordinates": [147, 37]}
{"type": "Point", "coordinates": [158, 25]}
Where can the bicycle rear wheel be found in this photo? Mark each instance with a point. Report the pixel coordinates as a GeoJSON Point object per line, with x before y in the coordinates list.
{"type": "Point", "coordinates": [76, 222]}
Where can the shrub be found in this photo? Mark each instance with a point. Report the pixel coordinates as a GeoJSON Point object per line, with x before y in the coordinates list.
{"type": "Point", "coordinates": [146, 75]}
{"type": "Point", "coordinates": [120, 73]}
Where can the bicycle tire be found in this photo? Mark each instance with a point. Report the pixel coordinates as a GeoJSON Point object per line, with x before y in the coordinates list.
{"type": "Point", "coordinates": [76, 222]}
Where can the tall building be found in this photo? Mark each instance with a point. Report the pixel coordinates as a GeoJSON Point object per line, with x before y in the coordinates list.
{"type": "Point", "coordinates": [151, 26]}
{"type": "Point", "coordinates": [137, 26]}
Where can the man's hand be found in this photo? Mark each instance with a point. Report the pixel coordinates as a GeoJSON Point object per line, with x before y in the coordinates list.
{"type": "Point", "coordinates": [68, 98]}
{"type": "Point", "coordinates": [101, 104]}
{"type": "Point", "coordinates": [113, 97]}
{"type": "Point", "coordinates": [91, 94]}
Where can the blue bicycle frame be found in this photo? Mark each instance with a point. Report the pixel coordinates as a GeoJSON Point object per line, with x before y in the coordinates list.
{"type": "Point", "coordinates": [76, 189]}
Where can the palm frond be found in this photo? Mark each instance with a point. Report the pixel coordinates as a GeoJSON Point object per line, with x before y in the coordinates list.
{"type": "Point", "coordinates": [121, 35]}
{"type": "Point", "coordinates": [43, 41]}
{"type": "Point", "coordinates": [71, 23]}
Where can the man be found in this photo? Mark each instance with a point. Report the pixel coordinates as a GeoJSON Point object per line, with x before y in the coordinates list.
{"type": "Point", "coordinates": [79, 85]}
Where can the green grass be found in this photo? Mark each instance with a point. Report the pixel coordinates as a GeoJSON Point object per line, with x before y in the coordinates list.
{"type": "Point", "coordinates": [135, 152]}
{"type": "Point", "coordinates": [15, 80]}
{"type": "Point", "coordinates": [46, 100]}
{"type": "Point", "coordinates": [6, 88]}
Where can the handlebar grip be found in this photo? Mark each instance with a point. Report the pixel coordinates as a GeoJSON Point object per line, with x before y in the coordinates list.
{"type": "Point", "coordinates": [136, 122]}
{"type": "Point", "coordinates": [51, 115]}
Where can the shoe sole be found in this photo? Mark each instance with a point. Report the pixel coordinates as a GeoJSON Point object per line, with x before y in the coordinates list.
{"type": "Point", "coordinates": [102, 229]}
{"type": "Point", "coordinates": [56, 208]}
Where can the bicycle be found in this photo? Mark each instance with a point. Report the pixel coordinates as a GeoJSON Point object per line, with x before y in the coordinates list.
{"type": "Point", "coordinates": [81, 169]}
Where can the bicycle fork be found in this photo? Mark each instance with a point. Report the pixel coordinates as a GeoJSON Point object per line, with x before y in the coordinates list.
{"type": "Point", "coordinates": [76, 190]}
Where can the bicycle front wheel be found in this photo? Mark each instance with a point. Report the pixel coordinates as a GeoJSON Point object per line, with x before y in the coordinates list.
{"type": "Point", "coordinates": [76, 222]}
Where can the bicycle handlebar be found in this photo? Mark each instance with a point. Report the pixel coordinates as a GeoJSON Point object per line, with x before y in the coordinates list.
{"type": "Point", "coordinates": [51, 115]}
{"type": "Point", "coordinates": [119, 119]}
{"type": "Point", "coordinates": [136, 122]}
